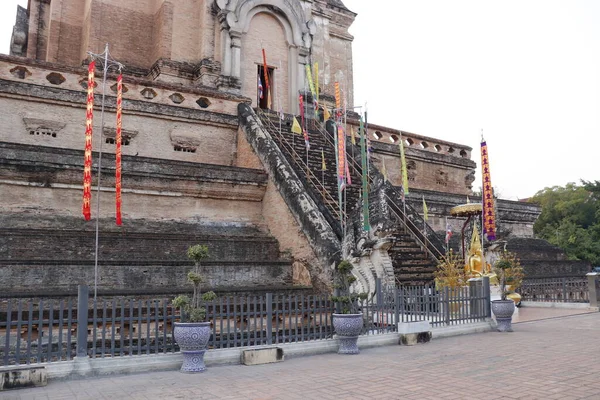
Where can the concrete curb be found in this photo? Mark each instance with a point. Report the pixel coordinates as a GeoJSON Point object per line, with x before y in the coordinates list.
{"type": "Point", "coordinates": [575, 306]}
{"type": "Point", "coordinates": [80, 368]}
{"type": "Point", "coordinates": [459, 330]}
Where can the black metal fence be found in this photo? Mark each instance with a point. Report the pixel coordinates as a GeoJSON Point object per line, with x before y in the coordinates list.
{"type": "Point", "coordinates": [567, 290]}
{"type": "Point", "coordinates": [50, 330]}
{"type": "Point", "coordinates": [447, 306]}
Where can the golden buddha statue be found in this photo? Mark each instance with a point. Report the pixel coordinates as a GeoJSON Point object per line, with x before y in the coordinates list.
{"type": "Point", "coordinates": [476, 265]}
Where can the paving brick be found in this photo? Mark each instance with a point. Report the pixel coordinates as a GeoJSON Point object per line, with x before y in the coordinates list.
{"type": "Point", "coordinates": [540, 360]}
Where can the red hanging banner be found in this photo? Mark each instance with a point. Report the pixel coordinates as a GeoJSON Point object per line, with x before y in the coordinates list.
{"type": "Point", "coordinates": [87, 158]}
{"type": "Point", "coordinates": [118, 150]}
{"type": "Point", "coordinates": [489, 218]}
{"type": "Point", "coordinates": [341, 142]}
{"type": "Point", "coordinates": [265, 70]}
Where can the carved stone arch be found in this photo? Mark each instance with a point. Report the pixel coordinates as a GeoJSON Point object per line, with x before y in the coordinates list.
{"type": "Point", "coordinates": [235, 17]}
{"type": "Point", "coordinates": [283, 21]}
{"type": "Point", "coordinates": [286, 10]}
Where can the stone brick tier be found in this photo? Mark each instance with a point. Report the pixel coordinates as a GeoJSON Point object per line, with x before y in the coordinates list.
{"type": "Point", "coordinates": [540, 259]}
{"type": "Point", "coordinates": [136, 278]}
{"type": "Point", "coordinates": [49, 245]}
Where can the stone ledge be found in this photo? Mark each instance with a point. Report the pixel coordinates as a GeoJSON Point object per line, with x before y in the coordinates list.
{"type": "Point", "coordinates": [544, 304]}
{"type": "Point", "coordinates": [259, 356]}
{"type": "Point", "coordinates": [163, 362]}
{"type": "Point", "coordinates": [18, 377]}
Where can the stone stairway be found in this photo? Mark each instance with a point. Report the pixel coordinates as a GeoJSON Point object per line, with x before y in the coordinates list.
{"type": "Point", "coordinates": [411, 263]}
{"type": "Point", "coordinates": [322, 185]}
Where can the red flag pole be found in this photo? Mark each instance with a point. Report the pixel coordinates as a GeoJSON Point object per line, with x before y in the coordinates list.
{"type": "Point", "coordinates": [87, 158]}
{"type": "Point", "coordinates": [118, 149]}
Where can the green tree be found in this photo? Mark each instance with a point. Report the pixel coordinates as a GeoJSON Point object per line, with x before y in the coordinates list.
{"type": "Point", "coordinates": [570, 219]}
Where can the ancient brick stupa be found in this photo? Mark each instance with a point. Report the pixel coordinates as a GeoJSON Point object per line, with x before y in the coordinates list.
{"type": "Point", "coordinates": [206, 155]}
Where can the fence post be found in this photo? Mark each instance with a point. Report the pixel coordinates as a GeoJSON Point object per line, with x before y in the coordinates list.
{"type": "Point", "coordinates": [564, 290]}
{"type": "Point", "coordinates": [487, 297]}
{"type": "Point", "coordinates": [396, 307]}
{"type": "Point", "coordinates": [269, 318]}
{"type": "Point", "coordinates": [476, 307]}
{"type": "Point", "coordinates": [447, 305]}
{"type": "Point", "coordinates": [379, 292]}
{"type": "Point", "coordinates": [594, 288]}
{"type": "Point", "coordinates": [82, 320]}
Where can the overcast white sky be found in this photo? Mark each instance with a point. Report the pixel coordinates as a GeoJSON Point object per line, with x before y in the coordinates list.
{"type": "Point", "coordinates": [527, 72]}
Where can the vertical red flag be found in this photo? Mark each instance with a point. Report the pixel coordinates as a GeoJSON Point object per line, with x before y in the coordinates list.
{"type": "Point", "coordinates": [118, 150]}
{"type": "Point", "coordinates": [489, 218]}
{"type": "Point", "coordinates": [87, 158]}
{"type": "Point", "coordinates": [266, 70]}
{"type": "Point", "coordinates": [341, 142]}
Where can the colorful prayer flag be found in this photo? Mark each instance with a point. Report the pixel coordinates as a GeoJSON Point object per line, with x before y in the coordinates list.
{"type": "Point", "coordinates": [425, 211]}
{"type": "Point", "coordinates": [316, 72]}
{"type": "Point", "coordinates": [448, 232]}
{"type": "Point", "coordinates": [265, 70]}
{"type": "Point", "coordinates": [260, 88]}
{"type": "Point", "coordinates": [403, 166]}
{"type": "Point", "coordinates": [365, 182]}
{"type": "Point", "coordinates": [348, 176]}
{"type": "Point", "coordinates": [118, 148]}
{"type": "Point", "coordinates": [309, 77]}
{"type": "Point", "coordinates": [341, 143]}
{"type": "Point", "coordinates": [352, 135]}
{"type": "Point", "coordinates": [323, 165]}
{"type": "Point", "coordinates": [338, 100]}
{"type": "Point", "coordinates": [87, 158]}
{"type": "Point", "coordinates": [296, 128]}
{"type": "Point", "coordinates": [326, 114]}
{"type": "Point", "coordinates": [489, 218]}
{"type": "Point", "coordinates": [306, 142]}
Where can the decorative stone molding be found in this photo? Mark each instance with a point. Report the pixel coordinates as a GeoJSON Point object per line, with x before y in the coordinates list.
{"type": "Point", "coordinates": [36, 126]}
{"type": "Point", "coordinates": [126, 135]}
{"type": "Point", "coordinates": [185, 140]}
{"type": "Point", "coordinates": [469, 179]}
{"type": "Point", "coordinates": [20, 72]}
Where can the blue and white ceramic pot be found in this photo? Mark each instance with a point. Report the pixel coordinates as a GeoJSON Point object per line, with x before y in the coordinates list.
{"type": "Point", "coordinates": [503, 311]}
{"type": "Point", "coordinates": [347, 328]}
{"type": "Point", "coordinates": [192, 338]}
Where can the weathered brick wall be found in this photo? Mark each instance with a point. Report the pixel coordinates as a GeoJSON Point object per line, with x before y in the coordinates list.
{"type": "Point", "coordinates": [332, 47]}
{"type": "Point", "coordinates": [65, 32]}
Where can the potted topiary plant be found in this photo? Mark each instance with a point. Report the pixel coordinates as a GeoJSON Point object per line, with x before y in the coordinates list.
{"type": "Point", "coordinates": [509, 272]}
{"type": "Point", "coordinates": [192, 336]}
{"type": "Point", "coordinates": [348, 321]}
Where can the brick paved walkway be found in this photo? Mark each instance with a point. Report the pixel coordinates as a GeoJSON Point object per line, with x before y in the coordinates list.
{"type": "Point", "coordinates": [549, 359]}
